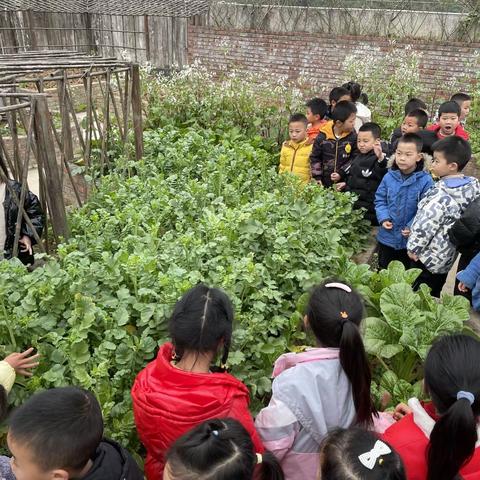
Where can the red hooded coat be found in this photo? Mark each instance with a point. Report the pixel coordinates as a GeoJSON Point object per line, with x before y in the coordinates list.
{"type": "Point", "coordinates": [168, 402]}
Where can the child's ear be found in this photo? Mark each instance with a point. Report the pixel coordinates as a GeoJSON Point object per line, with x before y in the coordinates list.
{"type": "Point", "coordinates": [305, 321]}
{"type": "Point", "coordinates": [59, 475]}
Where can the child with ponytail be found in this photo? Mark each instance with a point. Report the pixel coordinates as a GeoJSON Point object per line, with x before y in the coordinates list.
{"type": "Point", "coordinates": [321, 388]}
{"type": "Point", "coordinates": [182, 388]}
{"type": "Point", "coordinates": [439, 440]}
{"type": "Point", "coordinates": [219, 449]}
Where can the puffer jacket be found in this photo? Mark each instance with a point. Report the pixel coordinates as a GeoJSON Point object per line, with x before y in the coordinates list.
{"type": "Point", "coordinates": [168, 402]}
{"type": "Point", "coordinates": [441, 207]}
{"type": "Point", "coordinates": [363, 176]}
{"type": "Point", "coordinates": [311, 395]}
{"type": "Point", "coordinates": [295, 158]}
{"type": "Point", "coordinates": [465, 233]}
{"type": "Point", "coordinates": [397, 200]}
{"type": "Point", "coordinates": [410, 437]}
{"type": "Point", "coordinates": [330, 154]}
{"type": "Point", "coordinates": [34, 211]}
{"type": "Point", "coordinates": [471, 278]}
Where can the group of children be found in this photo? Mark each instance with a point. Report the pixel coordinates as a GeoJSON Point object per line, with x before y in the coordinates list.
{"type": "Point", "coordinates": [426, 210]}
{"type": "Point", "coordinates": [194, 421]}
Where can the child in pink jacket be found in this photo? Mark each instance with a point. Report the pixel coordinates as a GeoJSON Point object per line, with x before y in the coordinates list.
{"type": "Point", "coordinates": [322, 388]}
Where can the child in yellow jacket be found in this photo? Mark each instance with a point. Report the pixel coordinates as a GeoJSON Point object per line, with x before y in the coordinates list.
{"type": "Point", "coordinates": [295, 154]}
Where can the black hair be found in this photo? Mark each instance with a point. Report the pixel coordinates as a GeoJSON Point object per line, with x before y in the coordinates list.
{"type": "Point", "coordinates": [219, 449]}
{"type": "Point", "coordinates": [371, 127]}
{"type": "Point", "coordinates": [460, 97]}
{"type": "Point", "coordinates": [412, 138]}
{"type": "Point", "coordinates": [298, 117]}
{"type": "Point", "coordinates": [334, 315]}
{"type": "Point", "coordinates": [363, 98]}
{"type": "Point", "coordinates": [343, 110]}
{"type": "Point", "coordinates": [201, 320]}
{"type": "Point", "coordinates": [61, 427]}
{"type": "Point", "coordinates": [3, 403]}
{"type": "Point", "coordinates": [414, 104]}
{"type": "Point", "coordinates": [337, 93]}
{"type": "Point", "coordinates": [449, 107]}
{"type": "Point", "coordinates": [339, 457]}
{"type": "Point", "coordinates": [420, 115]}
{"type": "Point", "coordinates": [355, 90]}
{"type": "Point", "coordinates": [318, 106]}
{"type": "Point", "coordinates": [451, 366]}
{"type": "Point", "coordinates": [455, 150]}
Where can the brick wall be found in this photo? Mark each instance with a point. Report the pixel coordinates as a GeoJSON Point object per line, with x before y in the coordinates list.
{"type": "Point", "coordinates": [318, 55]}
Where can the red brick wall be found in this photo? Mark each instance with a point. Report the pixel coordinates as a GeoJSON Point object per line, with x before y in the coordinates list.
{"type": "Point", "coordinates": [317, 55]}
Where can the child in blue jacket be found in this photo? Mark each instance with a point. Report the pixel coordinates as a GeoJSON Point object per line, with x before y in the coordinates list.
{"type": "Point", "coordinates": [470, 280]}
{"type": "Point", "coordinates": [397, 198]}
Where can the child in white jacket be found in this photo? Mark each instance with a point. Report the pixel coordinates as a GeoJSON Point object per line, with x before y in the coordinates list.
{"type": "Point", "coordinates": [429, 245]}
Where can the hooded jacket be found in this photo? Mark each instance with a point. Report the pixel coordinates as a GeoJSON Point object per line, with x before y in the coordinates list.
{"type": "Point", "coordinates": [330, 154]}
{"type": "Point", "coordinates": [311, 395]}
{"type": "Point", "coordinates": [295, 158]}
{"type": "Point", "coordinates": [113, 462]}
{"type": "Point", "coordinates": [168, 402]}
{"type": "Point", "coordinates": [410, 437]}
{"type": "Point", "coordinates": [437, 212]}
{"type": "Point", "coordinates": [465, 233]}
{"type": "Point", "coordinates": [34, 211]}
{"type": "Point", "coordinates": [397, 199]}
{"type": "Point", "coordinates": [471, 278]}
{"type": "Point", "coordinates": [363, 176]}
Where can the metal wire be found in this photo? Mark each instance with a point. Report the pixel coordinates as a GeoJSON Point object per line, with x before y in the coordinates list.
{"type": "Point", "coordinates": [167, 8]}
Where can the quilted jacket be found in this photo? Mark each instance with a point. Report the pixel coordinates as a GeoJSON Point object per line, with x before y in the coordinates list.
{"type": "Point", "coordinates": [437, 212]}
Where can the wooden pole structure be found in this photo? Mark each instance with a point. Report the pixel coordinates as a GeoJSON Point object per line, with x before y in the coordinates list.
{"type": "Point", "coordinates": [47, 161]}
{"type": "Point", "coordinates": [137, 111]}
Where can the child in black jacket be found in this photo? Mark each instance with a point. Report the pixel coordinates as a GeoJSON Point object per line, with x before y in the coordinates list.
{"type": "Point", "coordinates": [365, 172]}
{"type": "Point", "coordinates": [465, 235]}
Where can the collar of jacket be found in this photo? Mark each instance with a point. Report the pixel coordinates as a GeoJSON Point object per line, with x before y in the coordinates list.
{"type": "Point", "coordinates": [424, 421]}
{"type": "Point", "coordinates": [296, 146]}
{"type": "Point", "coordinates": [327, 130]}
{"type": "Point", "coordinates": [289, 360]}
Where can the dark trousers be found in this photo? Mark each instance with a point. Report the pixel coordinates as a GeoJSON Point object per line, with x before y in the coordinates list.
{"type": "Point", "coordinates": [465, 259]}
{"type": "Point", "coordinates": [388, 254]}
{"type": "Point", "coordinates": [435, 281]}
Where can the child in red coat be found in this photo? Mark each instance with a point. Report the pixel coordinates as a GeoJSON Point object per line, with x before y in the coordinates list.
{"type": "Point", "coordinates": [439, 440]}
{"type": "Point", "coordinates": [180, 389]}
{"type": "Point", "coordinates": [449, 122]}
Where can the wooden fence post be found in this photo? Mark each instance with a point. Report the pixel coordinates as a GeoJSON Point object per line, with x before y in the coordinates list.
{"type": "Point", "coordinates": [137, 111]}
{"type": "Point", "coordinates": [48, 162]}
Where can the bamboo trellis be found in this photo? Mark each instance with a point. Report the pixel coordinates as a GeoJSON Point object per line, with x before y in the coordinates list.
{"type": "Point", "coordinates": [37, 97]}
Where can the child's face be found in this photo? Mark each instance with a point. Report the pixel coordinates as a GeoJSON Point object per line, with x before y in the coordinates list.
{"type": "Point", "coordinates": [440, 167]}
{"type": "Point", "coordinates": [465, 109]}
{"type": "Point", "coordinates": [311, 117]}
{"type": "Point", "coordinates": [448, 123]}
{"type": "Point", "coordinates": [410, 125]}
{"type": "Point", "coordinates": [407, 157]}
{"type": "Point", "coordinates": [25, 467]}
{"type": "Point", "coordinates": [297, 131]}
{"type": "Point", "coordinates": [366, 141]}
{"type": "Point", "coordinates": [348, 125]}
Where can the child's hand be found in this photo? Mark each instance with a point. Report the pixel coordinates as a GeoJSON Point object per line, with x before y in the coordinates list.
{"type": "Point", "coordinates": [377, 148]}
{"type": "Point", "coordinates": [401, 410]}
{"type": "Point", "coordinates": [413, 256]}
{"type": "Point", "coordinates": [335, 177]}
{"type": "Point", "coordinates": [23, 362]}
{"type": "Point", "coordinates": [26, 243]}
{"type": "Point", "coordinates": [340, 186]}
{"type": "Point", "coordinates": [406, 232]}
{"type": "Point", "coordinates": [387, 225]}
{"type": "Point", "coordinates": [462, 287]}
